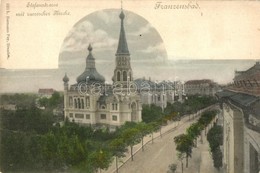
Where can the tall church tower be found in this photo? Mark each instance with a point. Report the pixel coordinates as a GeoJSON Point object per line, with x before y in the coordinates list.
{"type": "Point", "coordinates": [123, 72]}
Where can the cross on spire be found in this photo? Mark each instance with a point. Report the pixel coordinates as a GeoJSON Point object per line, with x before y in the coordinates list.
{"type": "Point", "coordinates": [122, 5]}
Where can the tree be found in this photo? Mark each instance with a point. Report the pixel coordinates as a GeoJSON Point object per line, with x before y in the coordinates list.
{"type": "Point", "coordinates": [181, 156]}
{"type": "Point", "coordinates": [172, 168]}
{"type": "Point", "coordinates": [143, 130]}
{"type": "Point", "coordinates": [118, 149]}
{"type": "Point", "coordinates": [215, 138]}
{"type": "Point", "coordinates": [153, 127]}
{"type": "Point", "coordinates": [151, 113]}
{"type": "Point", "coordinates": [194, 131]}
{"type": "Point", "coordinates": [184, 144]}
{"type": "Point", "coordinates": [131, 137]}
{"type": "Point", "coordinates": [100, 159]}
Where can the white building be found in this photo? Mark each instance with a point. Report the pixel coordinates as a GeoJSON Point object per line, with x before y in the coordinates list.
{"type": "Point", "coordinates": [90, 101]}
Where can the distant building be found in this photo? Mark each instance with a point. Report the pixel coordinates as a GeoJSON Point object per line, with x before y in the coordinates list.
{"type": "Point", "coordinates": [247, 81]}
{"type": "Point", "coordinates": [45, 92]}
{"type": "Point", "coordinates": [241, 121]}
{"type": "Point", "coordinates": [159, 93]}
{"type": "Point", "coordinates": [90, 101]}
{"type": "Point", "coordinates": [11, 107]}
{"type": "Point", "coordinates": [201, 87]}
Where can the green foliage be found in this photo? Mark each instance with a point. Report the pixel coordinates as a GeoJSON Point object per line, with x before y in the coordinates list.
{"type": "Point", "coordinates": [172, 168]}
{"type": "Point", "coordinates": [184, 144]}
{"type": "Point", "coordinates": [190, 105]}
{"type": "Point", "coordinates": [215, 138]}
{"type": "Point", "coordinates": [100, 159]}
{"type": "Point", "coordinates": [29, 141]}
{"type": "Point", "coordinates": [54, 101]}
{"type": "Point", "coordinates": [118, 147]}
{"type": "Point", "coordinates": [22, 101]}
{"type": "Point", "coordinates": [151, 113]}
{"type": "Point", "coordinates": [30, 119]}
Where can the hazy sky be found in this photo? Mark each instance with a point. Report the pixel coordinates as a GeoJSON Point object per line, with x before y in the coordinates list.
{"type": "Point", "coordinates": [216, 30]}
{"type": "Point", "coordinates": [163, 43]}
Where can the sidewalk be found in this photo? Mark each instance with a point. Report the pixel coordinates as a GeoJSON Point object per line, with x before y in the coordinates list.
{"type": "Point", "coordinates": [148, 139]}
{"type": "Point", "coordinates": [201, 161]}
{"type": "Point", "coordinates": [171, 126]}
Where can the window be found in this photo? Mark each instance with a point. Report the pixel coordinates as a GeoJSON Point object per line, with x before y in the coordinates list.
{"type": "Point", "coordinates": [81, 116]}
{"type": "Point", "coordinates": [130, 76]}
{"type": "Point", "coordinates": [114, 106]}
{"type": "Point", "coordinates": [118, 76]}
{"type": "Point", "coordinates": [70, 101]}
{"type": "Point", "coordinates": [87, 102]}
{"type": "Point", "coordinates": [103, 107]}
{"type": "Point", "coordinates": [88, 116]}
{"type": "Point", "coordinates": [71, 115]}
{"type": "Point", "coordinates": [114, 118]}
{"type": "Point", "coordinates": [159, 98]}
{"type": "Point", "coordinates": [79, 105]}
{"type": "Point", "coordinates": [103, 116]}
{"type": "Point", "coordinates": [124, 76]}
{"type": "Point", "coordinates": [75, 103]}
{"type": "Point", "coordinates": [82, 103]}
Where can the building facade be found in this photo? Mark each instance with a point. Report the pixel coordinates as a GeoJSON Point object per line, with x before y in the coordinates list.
{"type": "Point", "coordinates": [159, 93]}
{"type": "Point", "coordinates": [91, 101]}
{"type": "Point", "coordinates": [241, 122]}
{"type": "Point", "coordinates": [201, 87]}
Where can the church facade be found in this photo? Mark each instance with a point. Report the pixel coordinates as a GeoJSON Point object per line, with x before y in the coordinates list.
{"type": "Point", "coordinates": [92, 102]}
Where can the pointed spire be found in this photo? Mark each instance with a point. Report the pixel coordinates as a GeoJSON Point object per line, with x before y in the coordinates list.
{"type": "Point", "coordinates": [89, 48]}
{"type": "Point", "coordinates": [122, 44]}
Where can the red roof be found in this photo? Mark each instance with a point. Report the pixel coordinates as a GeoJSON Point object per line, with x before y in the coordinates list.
{"type": "Point", "coordinates": [46, 91]}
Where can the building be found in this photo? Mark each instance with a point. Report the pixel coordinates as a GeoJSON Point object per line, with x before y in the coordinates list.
{"type": "Point", "coordinates": [45, 92]}
{"type": "Point", "coordinates": [10, 107]}
{"type": "Point", "coordinates": [201, 87]}
{"type": "Point", "coordinates": [240, 104]}
{"type": "Point", "coordinates": [159, 93]}
{"type": "Point", "coordinates": [90, 101]}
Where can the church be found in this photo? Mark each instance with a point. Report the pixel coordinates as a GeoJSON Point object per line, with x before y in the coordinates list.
{"type": "Point", "coordinates": [92, 102]}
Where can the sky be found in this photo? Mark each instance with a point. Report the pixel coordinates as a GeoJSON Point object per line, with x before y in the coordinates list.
{"type": "Point", "coordinates": [165, 44]}
{"type": "Point", "coordinates": [215, 30]}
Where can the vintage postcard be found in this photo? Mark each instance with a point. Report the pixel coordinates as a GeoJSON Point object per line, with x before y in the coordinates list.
{"type": "Point", "coordinates": [129, 86]}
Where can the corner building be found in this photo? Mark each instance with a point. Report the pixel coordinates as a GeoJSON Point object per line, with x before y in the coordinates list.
{"type": "Point", "coordinates": [240, 104]}
{"type": "Point", "coordinates": [101, 106]}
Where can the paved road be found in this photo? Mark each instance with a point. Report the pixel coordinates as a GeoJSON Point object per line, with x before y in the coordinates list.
{"type": "Point", "coordinates": [157, 156]}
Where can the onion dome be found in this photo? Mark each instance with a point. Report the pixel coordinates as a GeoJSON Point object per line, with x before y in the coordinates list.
{"type": "Point", "coordinates": [90, 74]}
{"type": "Point", "coordinates": [65, 78]}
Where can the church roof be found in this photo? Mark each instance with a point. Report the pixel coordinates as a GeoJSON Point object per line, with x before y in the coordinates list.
{"type": "Point", "coordinates": [122, 44]}
{"type": "Point", "coordinates": [65, 78]}
{"type": "Point", "coordinates": [90, 56]}
{"type": "Point", "coordinates": [90, 74]}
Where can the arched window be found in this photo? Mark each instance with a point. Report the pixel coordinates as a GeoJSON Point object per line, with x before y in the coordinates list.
{"type": "Point", "coordinates": [118, 76]}
{"type": "Point", "coordinates": [75, 103]}
{"type": "Point", "coordinates": [70, 101]}
{"type": "Point", "coordinates": [82, 103]}
{"type": "Point", "coordinates": [79, 103]}
{"type": "Point", "coordinates": [124, 76]}
{"type": "Point", "coordinates": [87, 102]}
{"type": "Point", "coordinates": [130, 76]}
